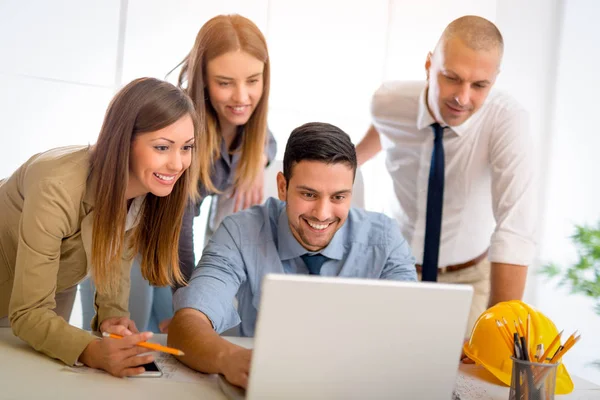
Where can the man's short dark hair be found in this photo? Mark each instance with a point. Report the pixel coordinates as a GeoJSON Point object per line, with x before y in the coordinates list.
{"type": "Point", "coordinates": [318, 141]}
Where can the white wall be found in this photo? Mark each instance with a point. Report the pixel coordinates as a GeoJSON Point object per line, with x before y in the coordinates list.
{"type": "Point", "coordinates": [572, 195]}
{"type": "Point", "coordinates": [62, 61]}
{"type": "Point", "coordinates": [57, 74]}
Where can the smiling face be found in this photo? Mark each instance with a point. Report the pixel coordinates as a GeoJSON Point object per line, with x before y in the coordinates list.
{"type": "Point", "coordinates": [235, 87]}
{"type": "Point", "coordinates": [459, 80]}
{"type": "Point", "coordinates": [318, 198]}
{"type": "Point", "coordinates": [157, 159]}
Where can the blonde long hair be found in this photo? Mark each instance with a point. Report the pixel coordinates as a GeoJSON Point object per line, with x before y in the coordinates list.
{"type": "Point", "coordinates": [220, 35]}
{"type": "Point", "coordinates": [144, 105]}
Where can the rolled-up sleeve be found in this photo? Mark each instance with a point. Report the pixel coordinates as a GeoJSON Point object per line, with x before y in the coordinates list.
{"type": "Point", "coordinates": [216, 279]}
{"type": "Point", "coordinates": [47, 218]}
{"type": "Point", "coordinates": [400, 263]}
{"type": "Point", "coordinates": [514, 191]}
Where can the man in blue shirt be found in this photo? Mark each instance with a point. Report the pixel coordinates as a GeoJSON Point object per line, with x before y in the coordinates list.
{"type": "Point", "coordinates": [310, 230]}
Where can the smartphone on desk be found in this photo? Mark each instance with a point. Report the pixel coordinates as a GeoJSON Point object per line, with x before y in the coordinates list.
{"type": "Point", "coordinates": [152, 371]}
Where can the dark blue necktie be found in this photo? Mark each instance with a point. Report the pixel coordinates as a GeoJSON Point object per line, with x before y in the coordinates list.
{"type": "Point", "coordinates": [435, 200]}
{"type": "Point", "coordinates": [314, 262]}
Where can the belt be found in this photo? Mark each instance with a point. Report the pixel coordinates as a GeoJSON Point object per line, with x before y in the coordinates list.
{"type": "Point", "coordinates": [458, 267]}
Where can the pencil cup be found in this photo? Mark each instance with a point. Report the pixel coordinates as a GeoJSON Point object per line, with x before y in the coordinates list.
{"type": "Point", "coordinates": [532, 381]}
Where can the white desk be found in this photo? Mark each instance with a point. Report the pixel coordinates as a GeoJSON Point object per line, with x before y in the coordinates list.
{"type": "Point", "coordinates": [26, 374]}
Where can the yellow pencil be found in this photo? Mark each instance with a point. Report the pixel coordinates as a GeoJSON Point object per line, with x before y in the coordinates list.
{"type": "Point", "coordinates": [507, 328]}
{"type": "Point", "coordinates": [506, 339]}
{"type": "Point", "coordinates": [566, 347]}
{"type": "Point", "coordinates": [151, 346]}
{"type": "Point", "coordinates": [570, 339]}
{"type": "Point", "coordinates": [558, 355]}
{"type": "Point", "coordinates": [552, 344]}
{"type": "Point", "coordinates": [528, 339]}
{"type": "Point", "coordinates": [518, 330]}
{"type": "Point", "coordinates": [560, 349]}
{"type": "Point", "coordinates": [521, 328]}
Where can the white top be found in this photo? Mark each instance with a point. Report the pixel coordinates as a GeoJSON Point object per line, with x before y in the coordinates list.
{"type": "Point", "coordinates": [133, 214]}
{"type": "Point", "coordinates": [491, 150]}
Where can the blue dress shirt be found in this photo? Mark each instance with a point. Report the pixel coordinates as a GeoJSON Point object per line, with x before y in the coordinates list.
{"type": "Point", "coordinates": [257, 241]}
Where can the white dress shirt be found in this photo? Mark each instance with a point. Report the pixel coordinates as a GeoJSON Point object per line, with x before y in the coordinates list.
{"type": "Point", "coordinates": [490, 188]}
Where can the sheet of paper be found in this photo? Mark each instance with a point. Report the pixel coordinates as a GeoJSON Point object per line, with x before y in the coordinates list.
{"type": "Point", "coordinates": [172, 369]}
{"type": "Point", "coordinates": [469, 388]}
{"type": "Point", "coordinates": [176, 371]}
{"type": "Point", "coordinates": [83, 370]}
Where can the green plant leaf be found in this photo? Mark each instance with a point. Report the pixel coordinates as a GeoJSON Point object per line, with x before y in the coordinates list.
{"type": "Point", "coordinates": [583, 277]}
{"type": "Point", "coordinates": [551, 270]}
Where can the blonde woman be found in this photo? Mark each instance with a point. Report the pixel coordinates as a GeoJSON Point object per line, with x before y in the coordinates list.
{"type": "Point", "coordinates": [74, 210]}
{"type": "Point", "coordinates": [227, 75]}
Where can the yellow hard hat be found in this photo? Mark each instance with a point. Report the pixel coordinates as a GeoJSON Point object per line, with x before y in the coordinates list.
{"type": "Point", "coordinates": [488, 348]}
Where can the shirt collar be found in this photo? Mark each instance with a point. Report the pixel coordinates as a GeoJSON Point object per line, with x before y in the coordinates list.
{"type": "Point", "coordinates": [425, 119]}
{"type": "Point", "coordinates": [289, 247]}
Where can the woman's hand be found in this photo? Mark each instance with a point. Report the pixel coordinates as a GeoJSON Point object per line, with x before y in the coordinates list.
{"type": "Point", "coordinates": [118, 357]}
{"type": "Point", "coordinates": [120, 325]}
{"type": "Point", "coordinates": [246, 196]}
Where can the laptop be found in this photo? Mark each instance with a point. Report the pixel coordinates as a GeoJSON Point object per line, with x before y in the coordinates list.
{"type": "Point", "coordinates": [350, 338]}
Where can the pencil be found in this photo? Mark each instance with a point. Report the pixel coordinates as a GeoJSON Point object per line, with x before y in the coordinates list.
{"type": "Point", "coordinates": [567, 348]}
{"type": "Point", "coordinates": [552, 344]}
{"type": "Point", "coordinates": [563, 349]}
{"type": "Point", "coordinates": [504, 336]}
{"type": "Point", "coordinates": [559, 352]}
{"type": "Point", "coordinates": [519, 327]}
{"type": "Point", "coordinates": [570, 339]}
{"type": "Point", "coordinates": [558, 355]}
{"type": "Point", "coordinates": [528, 339]}
{"type": "Point", "coordinates": [151, 346]}
{"type": "Point", "coordinates": [508, 331]}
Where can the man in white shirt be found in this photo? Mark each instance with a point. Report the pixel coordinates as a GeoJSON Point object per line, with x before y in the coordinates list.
{"type": "Point", "coordinates": [468, 198]}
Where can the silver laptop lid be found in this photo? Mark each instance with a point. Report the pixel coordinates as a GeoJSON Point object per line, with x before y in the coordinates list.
{"type": "Point", "coordinates": [344, 338]}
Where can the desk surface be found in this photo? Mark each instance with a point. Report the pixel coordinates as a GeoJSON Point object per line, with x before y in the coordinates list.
{"type": "Point", "coordinates": [28, 374]}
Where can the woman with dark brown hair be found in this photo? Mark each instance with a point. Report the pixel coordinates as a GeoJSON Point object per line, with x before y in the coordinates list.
{"type": "Point", "coordinates": [74, 210]}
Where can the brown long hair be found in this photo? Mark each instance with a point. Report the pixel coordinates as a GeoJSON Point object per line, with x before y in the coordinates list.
{"type": "Point", "coordinates": [220, 35]}
{"type": "Point", "coordinates": [144, 105]}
